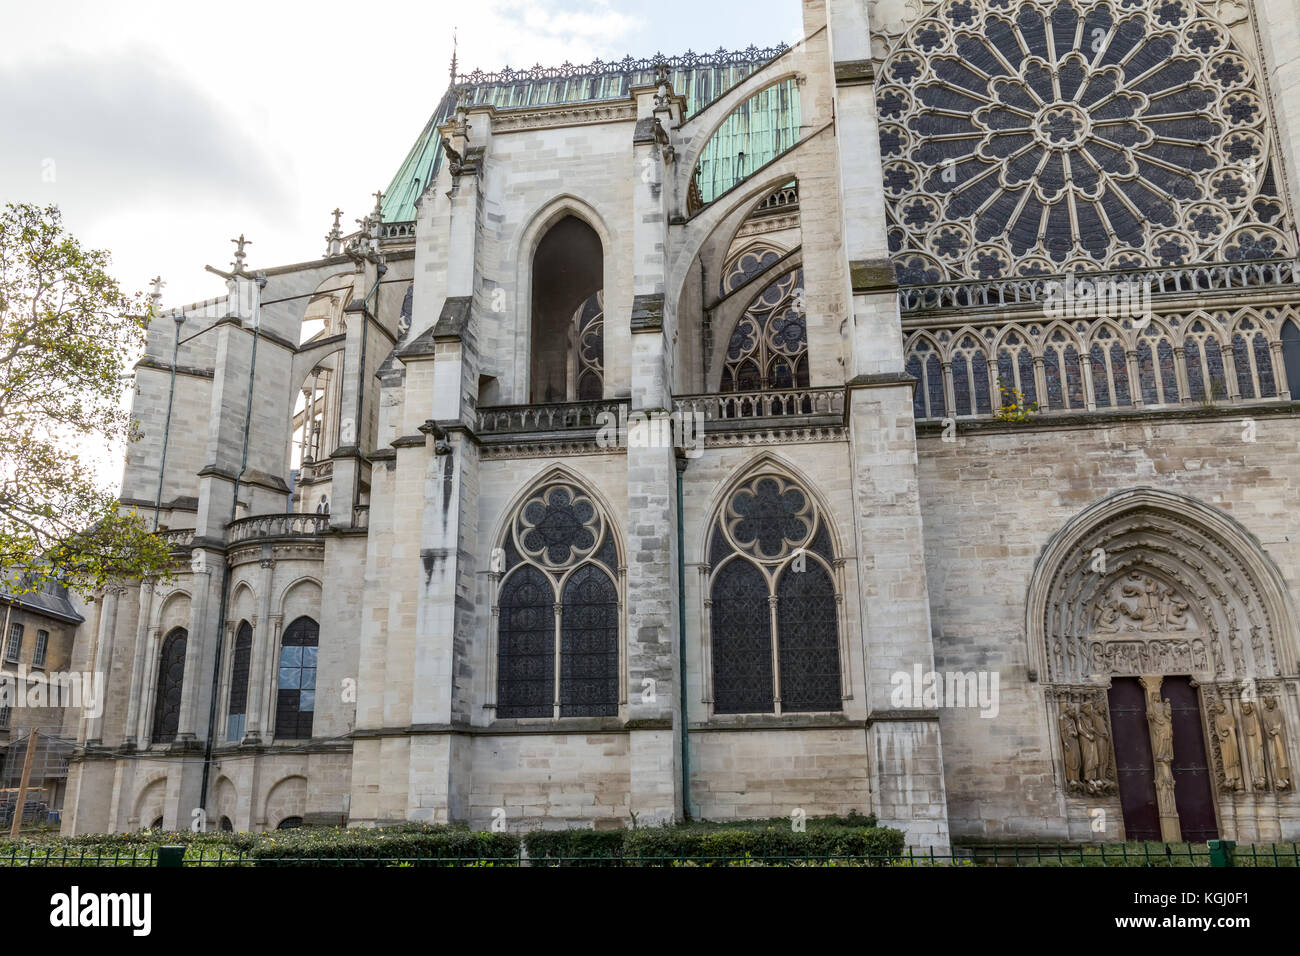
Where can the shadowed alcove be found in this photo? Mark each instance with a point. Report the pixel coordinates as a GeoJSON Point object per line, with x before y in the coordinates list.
{"type": "Point", "coordinates": [567, 315]}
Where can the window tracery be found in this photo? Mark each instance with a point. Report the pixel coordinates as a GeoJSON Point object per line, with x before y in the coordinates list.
{"type": "Point", "coordinates": [558, 609]}
{"type": "Point", "coordinates": [774, 632]}
{"type": "Point", "coordinates": [1203, 357]}
{"type": "Point", "coordinates": [769, 346]}
{"type": "Point", "coordinates": [1029, 136]}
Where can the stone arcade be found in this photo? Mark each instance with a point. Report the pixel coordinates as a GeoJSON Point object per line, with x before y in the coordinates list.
{"type": "Point", "coordinates": [417, 581]}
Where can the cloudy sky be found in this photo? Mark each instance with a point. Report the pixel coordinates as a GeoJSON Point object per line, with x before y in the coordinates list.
{"type": "Point", "coordinates": [165, 129]}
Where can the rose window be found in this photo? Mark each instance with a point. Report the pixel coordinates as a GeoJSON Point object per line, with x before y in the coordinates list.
{"type": "Point", "coordinates": [1027, 137]}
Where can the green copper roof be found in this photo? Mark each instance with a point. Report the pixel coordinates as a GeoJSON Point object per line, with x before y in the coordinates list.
{"type": "Point", "coordinates": [765, 125]}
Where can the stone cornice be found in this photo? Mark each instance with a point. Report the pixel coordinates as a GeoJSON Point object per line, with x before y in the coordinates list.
{"type": "Point", "coordinates": [561, 115]}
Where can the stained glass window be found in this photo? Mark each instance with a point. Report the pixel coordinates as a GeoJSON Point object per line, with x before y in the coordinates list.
{"type": "Point", "coordinates": [589, 326]}
{"type": "Point", "coordinates": [171, 675]}
{"type": "Point", "coordinates": [1023, 136]}
{"type": "Point", "coordinates": [769, 346]}
{"type": "Point", "coordinates": [239, 666]}
{"type": "Point", "coordinates": [558, 599]}
{"type": "Point", "coordinates": [774, 614]}
{"type": "Point", "coordinates": [295, 703]}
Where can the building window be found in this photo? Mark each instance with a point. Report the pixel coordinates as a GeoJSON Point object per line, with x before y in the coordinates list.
{"type": "Point", "coordinates": [226, 825]}
{"type": "Point", "coordinates": [289, 823]}
{"type": "Point", "coordinates": [774, 628]}
{"type": "Point", "coordinates": [295, 702]}
{"type": "Point", "coordinates": [42, 647]}
{"type": "Point", "coordinates": [558, 610]}
{"type": "Point", "coordinates": [14, 648]}
{"type": "Point", "coordinates": [171, 676]}
{"type": "Point", "coordinates": [769, 346]}
{"type": "Point", "coordinates": [6, 713]}
{"type": "Point", "coordinates": [238, 710]}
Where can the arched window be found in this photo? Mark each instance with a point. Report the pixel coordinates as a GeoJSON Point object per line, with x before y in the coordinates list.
{"type": "Point", "coordinates": [1291, 357]}
{"type": "Point", "coordinates": [774, 630]}
{"type": "Point", "coordinates": [1062, 372]}
{"type": "Point", "coordinates": [745, 265]}
{"type": "Point", "coordinates": [1157, 373]}
{"type": "Point", "coordinates": [1110, 384]}
{"type": "Point", "coordinates": [970, 377]}
{"type": "Point", "coordinates": [1016, 368]}
{"type": "Point", "coordinates": [289, 823]}
{"type": "Point", "coordinates": [239, 682]}
{"type": "Point", "coordinates": [226, 825]}
{"type": "Point", "coordinates": [295, 701]}
{"type": "Point", "coordinates": [1254, 363]}
{"type": "Point", "coordinates": [558, 609]}
{"type": "Point", "coordinates": [171, 676]}
{"type": "Point", "coordinates": [923, 364]}
{"type": "Point", "coordinates": [568, 351]}
{"type": "Point", "coordinates": [1207, 380]}
{"type": "Point", "coordinates": [769, 346]}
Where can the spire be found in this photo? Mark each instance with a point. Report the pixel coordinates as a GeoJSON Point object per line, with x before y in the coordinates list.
{"type": "Point", "coordinates": [453, 55]}
{"type": "Point", "coordinates": [240, 254]}
{"type": "Point", "coordinates": [334, 240]}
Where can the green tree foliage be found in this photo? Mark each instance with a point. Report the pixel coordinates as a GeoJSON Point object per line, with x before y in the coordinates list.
{"type": "Point", "coordinates": [67, 334]}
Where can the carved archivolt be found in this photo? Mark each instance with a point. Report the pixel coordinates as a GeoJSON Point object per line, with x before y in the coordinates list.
{"type": "Point", "coordinates": [1146, 584]}
{"type": "Point", "coordinates": [1025, 137]}
{"type": "Point", "coordinates": [1157, 584]}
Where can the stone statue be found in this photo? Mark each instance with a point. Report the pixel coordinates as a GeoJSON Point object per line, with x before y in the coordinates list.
{"type": "Point", "coordinates": [1089, 744]}
{"type": "Point", "coordinates": [1225, 729]}
{"type": "Point", "coordinates": [1274, 727]}
{"type": "Point", "coordinates": [1070, 747]}
{"type": "Point", "coordinates": [1106, 761]}
{"type": "Point", "coordinates": [1108, 618]}
{"type": "Point", "coordinates": [1160, 716]}
{"type": "Point", "coordinates": [1254, 744]}
{"type": "Point", "coordinates": [1176, 614]}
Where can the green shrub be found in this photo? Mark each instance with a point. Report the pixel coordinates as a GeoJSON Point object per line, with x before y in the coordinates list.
{"type": "Point", "coordinates": [573, 847]}
{"type": "Point", "coordinates": [425, 844]}
{"type": "Point", "coordinates": [774, 844]}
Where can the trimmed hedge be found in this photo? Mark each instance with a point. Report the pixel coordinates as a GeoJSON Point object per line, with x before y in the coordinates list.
{"type": "Point", "coordinates": [435, 845]}
{"type": "Point", "coordinates": [817, 843]}
{"type": "Point", "coordinates": [425, 845]}
{"type": "Point", "coordinates": [572, 846]}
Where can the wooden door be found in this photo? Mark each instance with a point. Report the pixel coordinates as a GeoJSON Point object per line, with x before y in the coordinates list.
{"type": "Point", "coordinates": [1133, 763]}
{"type": "Point", "coordinates": [1193, 790]}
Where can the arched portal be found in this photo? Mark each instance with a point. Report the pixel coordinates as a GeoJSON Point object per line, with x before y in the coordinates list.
{"type": "Point", "coordinates": [1164, 636]}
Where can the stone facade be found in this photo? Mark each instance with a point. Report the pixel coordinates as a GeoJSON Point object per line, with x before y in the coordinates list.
{"type": "Point", "coordinates": [510, 612]}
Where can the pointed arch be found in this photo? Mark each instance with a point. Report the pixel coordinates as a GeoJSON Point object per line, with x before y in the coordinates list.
{"type": "Point", "coordinates": [763, 461]}
{"type": "Point", "coordinates": [1210, 581]}
{"type": "Point", "coordinates": [530, 237]}
{"type": "Point", "coordinates": [773, 634]}
{"type": "Point", "coordinates": [557, 597]}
